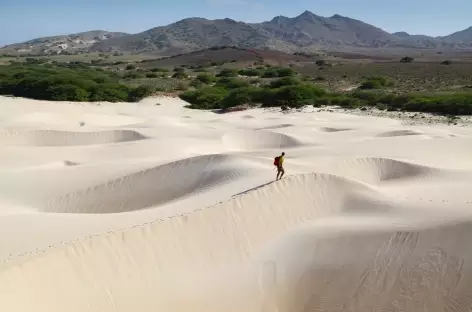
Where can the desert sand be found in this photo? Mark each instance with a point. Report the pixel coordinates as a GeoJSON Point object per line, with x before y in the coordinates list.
{"type": "Point", "coordinates": [151, 206]}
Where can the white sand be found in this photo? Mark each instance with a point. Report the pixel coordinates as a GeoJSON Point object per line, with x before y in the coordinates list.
{"type": "Point", "coordinates": [145, 207]}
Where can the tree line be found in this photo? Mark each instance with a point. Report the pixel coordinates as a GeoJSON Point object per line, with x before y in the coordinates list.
{"type": "Point", "coordinates": [57, 83]}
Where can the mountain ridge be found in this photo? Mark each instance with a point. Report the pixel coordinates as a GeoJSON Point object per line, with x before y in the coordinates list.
{"type": "Point", "coordinates": [305, 32]}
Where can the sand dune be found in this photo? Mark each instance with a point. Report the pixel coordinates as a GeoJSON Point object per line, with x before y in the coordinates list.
{"type": "Point", "coordinates": [395, 133]}
{"type": "Point", "coordinates": [254, 140]}
{"type": "Point", "coordinates": [146, 207]}
{"type": "Point", "coordinates": [64, 138]}
{"type": "Point", "coordinates": [151, 187]}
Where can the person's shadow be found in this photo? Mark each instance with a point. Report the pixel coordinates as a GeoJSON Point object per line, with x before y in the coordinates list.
{"type": "Point", "coordinates": [252, 189]}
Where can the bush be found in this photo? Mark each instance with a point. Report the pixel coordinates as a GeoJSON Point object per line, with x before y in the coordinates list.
{"type": "Point", "coordinates": [227, 73]}
{"type": "Point", "coordinates": [180, 75]}
{"type": "Point", "coordinates": [133, 75]}
{"type": "Point", "coordinates": [67, 92]}
{"type": "Point", "coordinates": [179, 69]}
{"type": "Point", "coordinates": [407, 59]}
{"type": "Point", "coordinates": [161, 70]}
{"type": "Point", "coordinates": [205, 98]}
{"type": "Point", "coordinates": [295, 95]}
{"type": "Point", "coordinates": [205, 78]}
{"type": "Point", "coordinates": [375, 83]}
{"type": "Point", "coordinates": [231, 83]}
{"type": "Point", "coordinates": [321, 63]}
{"type": "Point", "coordinates": [140, 93]}
{"type": "Point", "coordinates": [250, 72]}
{"type": "Point", "coordinates": [446, 62]}
{"type": "Point", "coordinates": [270, 73]}
{"type": "Point", "coordinates": [196, 83]}
{"type": "Point", "coordinates": [240, 96]}
{"type": "Point", "coordinates": [285, 81]}
{"type": "Point", "coordinates": [152, 75]}
{"type": "Point", "coordinates": [130, 67]}
{"type": "Point", "coordinates": [285, 72]}
{"type": "Point", "coordinates": [181, 86]}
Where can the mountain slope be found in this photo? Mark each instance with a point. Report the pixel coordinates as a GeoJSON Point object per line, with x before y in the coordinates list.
{"type": "Point", "coordinates": [188, 35]}
{"type": "Point", "coordinates": [56, 44]}
{"type": "Point", "coordinates": [464, 36]}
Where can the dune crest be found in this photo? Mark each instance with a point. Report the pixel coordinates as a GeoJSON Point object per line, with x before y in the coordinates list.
{"type": "Point", "coordinates": [66, 138]}
{"type": "Point", "coordinates": [258, 139]}
{"type": "Point", "coordinates": [151, 206]}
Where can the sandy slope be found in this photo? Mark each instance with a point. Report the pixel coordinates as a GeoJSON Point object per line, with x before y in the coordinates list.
{"type": "Point", "coordinates": [145, 207]}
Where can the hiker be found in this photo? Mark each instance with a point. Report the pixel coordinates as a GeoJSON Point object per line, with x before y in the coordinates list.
{"type": "Point", "coordinates": [279, 163]}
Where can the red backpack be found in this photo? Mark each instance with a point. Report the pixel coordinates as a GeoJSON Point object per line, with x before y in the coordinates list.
{"type": "Point", "coordinates": [276, 161]}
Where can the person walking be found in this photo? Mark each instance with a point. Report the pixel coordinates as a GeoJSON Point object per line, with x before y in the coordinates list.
{"type": "Point", "coordinates": [279, 163]}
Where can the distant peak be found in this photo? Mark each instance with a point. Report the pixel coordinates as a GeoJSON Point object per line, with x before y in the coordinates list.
{"type": "Point", "coordinates": [307, 15]}
{"type": "Point", "coordinates": [401, 34]}
{"type": "Point", "coordinates": [230, 20]}
{"type": "Point", "coordinates": [337, 16]}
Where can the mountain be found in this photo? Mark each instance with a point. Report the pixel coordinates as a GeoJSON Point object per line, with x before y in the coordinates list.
{"type": "Point", "coordinates": [304, 33]}
{"type": "Point", "coordinates": [187, 35]}
{"type": "Point", "coordinates": [309, 29]}
{"type": "Point", "coordinates": [79, 42]}
{"type": "Point", "coordinates": [464, 36]}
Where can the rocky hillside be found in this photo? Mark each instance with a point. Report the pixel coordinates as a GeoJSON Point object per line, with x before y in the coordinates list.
{"type": "Point", "coordinates": [80, 42]}
{"type": "Point", "coordinates": [306, 32]}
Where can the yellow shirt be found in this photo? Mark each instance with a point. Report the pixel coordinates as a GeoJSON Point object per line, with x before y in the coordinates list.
{"type": "Point", "coordinates": [281, 160]}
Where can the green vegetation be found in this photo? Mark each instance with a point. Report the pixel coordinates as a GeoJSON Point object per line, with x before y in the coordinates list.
{"type": "Point", "coordinates": [375, 83]}
{"type": "Point", "coordinates": [58, 83]}
{"type": "Point", "coordinates": [227, 73]}
{"type": "Point", "coordinates": [407, 59]}
{"type": "Point", "coordinates": [205, 78]}
{"type": "Point", "coordinates": [416, 87]}
{"type": "Point", "coordinates": [180, 75]}
{"type": "Point", "coordinates": [291, 92]}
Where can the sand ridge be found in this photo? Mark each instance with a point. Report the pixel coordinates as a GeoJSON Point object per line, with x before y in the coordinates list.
{"type": "Point", "coordinates": [138, 206]}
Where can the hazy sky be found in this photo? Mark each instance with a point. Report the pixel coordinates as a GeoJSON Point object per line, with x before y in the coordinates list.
{"type": "Point", "coordinates": [22, 20]}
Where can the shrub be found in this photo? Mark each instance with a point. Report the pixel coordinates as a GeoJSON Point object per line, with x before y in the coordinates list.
{"type": "Point", "coordinates": [162, 70]}
{"type": "Point", "coordinates": [407, 59]}
{"type": "Point", "coordinates": [240, 96]}
{"type": "Point", "coordinates": [133, 75]}
{"type": "Point", "coordinates": [67, 92]}
{"type": "Point", "coordinates": [285, 81]}
{"type": "Point", "coordinates": [205, 98]}
{"type": "Point", "coordinates": [196, 83]}
{"type": "Point", "coordinates": [295, 95]}
{"type": "Point", "coordinates": [130, 67]}
{"type": "Point", "coordinates": [250, 72]}
{"type": "Point", "coordinates": [375, 83]}
{"type": "Point", "coordinates": [205, 78]}
{"type": "Point", "coordinates": [255, 81]}
{"type": "Point", "coordinates": [179, 69]}
{"type": "Point", "coordinates": [270, 73]}
{"type": "Point", "coordinates": [152, 75]}
{"type": "Point", "coordinates": [285, 72]}
{"type": "Point", "coordinates": [231, 83]}
{"type": "Point", "coordinates": [180, 75]}
{"type": "Point", "coordinates": [140, 93]}
{"type": "Point", "coordinates": [446, 62]}
{"type": "Point", "coordinates": [227, 73]}
{"type": "Point", "coordinates": [181, 86]}
{"type": "Point", "coordinates": [320, 62]}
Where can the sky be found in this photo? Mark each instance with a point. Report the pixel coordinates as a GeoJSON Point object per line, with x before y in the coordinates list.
{"type": "Point", "coordinates": [22, 20]}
